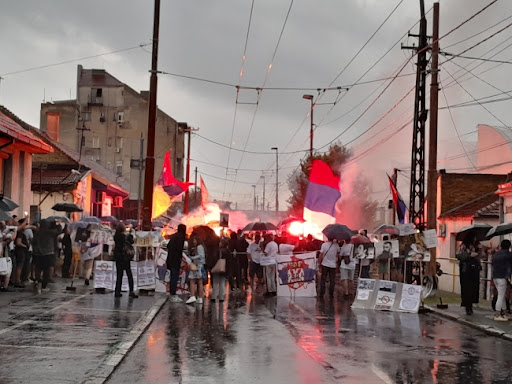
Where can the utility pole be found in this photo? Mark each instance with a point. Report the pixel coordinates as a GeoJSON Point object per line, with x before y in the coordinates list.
{"type": "Point", "coordinates": [394, 178]}
{"type": "Point", "coordinates": [195, 187]}
{"type": "Point", "coordinates": [186, 129]}
{"type": "Point", "coordinates": [417, 191]}
{"type": "Point", "coordinates": [432, 152]}
{"type": "Point", "coordinates": [149, 177]}
{"type": "Point", "coordinates": [263, 204]}
{"type": "Point", "coordinates": [139, 193]}
{"type": "Point", "coordinates": [311, 125]}
{"type": "Point", "coordinates": [254, 205]}
{"type": "Point", "coordinates": [277, 178]}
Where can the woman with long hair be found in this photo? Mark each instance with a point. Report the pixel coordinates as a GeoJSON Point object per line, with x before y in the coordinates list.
{"type": "Point", "coordinates": [198, 256]}
{"type": "Point", "coordinates": [123, 245]}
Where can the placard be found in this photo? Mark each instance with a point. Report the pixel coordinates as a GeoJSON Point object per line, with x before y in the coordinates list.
{"type": "Point", "coordinates": [104, 274]}
{"type": "Point", "coordinates": [430, 238]}
{"type": "Point", "coordinates": [411, 297]}
{"type": "Point", "coordinates": [146, 274]}
{"type": "Point", "coordinates": [224, 220]}
{"type": "Point", "coordinates": [386, 295]}
{"type": "Point", "coordinates": [406, 229]}
{"type": "Point", "coordinates": [296, 275]}
{"type": "Point", "coordinates": [364, 289]}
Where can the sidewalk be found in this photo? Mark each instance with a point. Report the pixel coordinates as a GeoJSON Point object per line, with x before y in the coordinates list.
{"type": "Point", "coordinates": [481, 319]}
{"type": "Point", "coordinates": [63, 336]}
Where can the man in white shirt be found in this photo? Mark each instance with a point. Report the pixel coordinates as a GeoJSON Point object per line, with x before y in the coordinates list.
{"type": "Point", "coordinates": [329, 256]}
{"type": "Point", "coordinates": [255, 253]}
{"type": "Point", "coordinates": [268, 262]}
{"type": "Point", "coordinates": [347, 267]}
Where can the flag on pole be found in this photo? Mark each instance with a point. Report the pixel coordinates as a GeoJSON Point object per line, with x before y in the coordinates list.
{"type": "Point", "coordinates": [204, 193]}
{"type": "Point", "coordinates": [167, 188]}
{"type": "Point", "coordinates": [321, 195]}
{"type": "Point", "coordinates": [397, 201]}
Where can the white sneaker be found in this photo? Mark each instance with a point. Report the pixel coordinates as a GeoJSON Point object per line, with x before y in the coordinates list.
{"type": "Point", "coordinates": [199, 300]}
{"type": "Point", "coordinates": [191, 300]}
{"type": "Point", "coordinates": [176, 299]}
{"type": "Point", "coordinates": [500, 318]}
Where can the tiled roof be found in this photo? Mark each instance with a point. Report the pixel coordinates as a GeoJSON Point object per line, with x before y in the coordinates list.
{"type": "Point", "coordinates": [97, 169]}
{"type": "Point", "coordinates": [97, 78]}
{"type": "Point", "coordinates": [13, 129]}
{"type": "Point", "coordinates": [482, 206]}
{"type": "Point", "coordinates": [457, 189]}
{"type": "Point", "coordinates": [56, 177]}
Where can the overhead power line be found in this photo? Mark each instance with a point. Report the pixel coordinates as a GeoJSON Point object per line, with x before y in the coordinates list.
{"type": "Point", "coordinates": [75, 60]}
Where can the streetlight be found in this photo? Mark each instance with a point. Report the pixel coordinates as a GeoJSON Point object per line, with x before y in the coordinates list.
{"type": "Point", "coordinates": [310, 98]}
{"type": "Point", "coordinates": [254, 199]}
{"type": "Point", "coordinates": [277, 178]}
{"type": "Point", "coordinates": [263, 177]}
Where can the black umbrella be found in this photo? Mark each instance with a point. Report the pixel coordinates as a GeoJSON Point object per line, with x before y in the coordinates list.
{"type": "Point", "coordinates": [109, 219]}
{"type": "Point", "coordinates": [91, 220]}
{"type": "Point", "coordinates": [338, 232]}
{"type": "Point", "coordinates": [499, 230]}
{"type": "Point", "coordinates": [478, 230]}
{"type": "Point", "coordinates": [386, 228]}
{"type": "Point", "coordinates": [63, 219]}
{"type": "Point", "coordinates": [67, 207]}
{"type": "Point", "coordinates": [259, 226]}
{"type": "Point", "coordinates": [4, 216]}
{"type": "Point", "coordinates": [7, 204]}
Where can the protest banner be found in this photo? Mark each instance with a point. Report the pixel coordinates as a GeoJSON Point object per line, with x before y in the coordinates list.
{"type": "Point", "coordinates": [387, 295]}
{"type": "Point", "coordinates": [296, 275]}
{"type": "Point", "coordinates": [146, 274]}
{"type": "Point", "coordinates": [104, 274]}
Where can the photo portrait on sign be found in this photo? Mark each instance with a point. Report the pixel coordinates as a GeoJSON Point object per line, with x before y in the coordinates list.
{"type": "Point", "coordinates": [387, 249]}
{"type": "Point", "coordinates": [364, 251]}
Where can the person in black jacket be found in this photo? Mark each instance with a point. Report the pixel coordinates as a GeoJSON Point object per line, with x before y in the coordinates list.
{"type": "Point", "coordinates": [121, 240]}
{"type": "Point", "coordinates": [68, 252]}
{"type": "Point", "coordinates": [174, 255]}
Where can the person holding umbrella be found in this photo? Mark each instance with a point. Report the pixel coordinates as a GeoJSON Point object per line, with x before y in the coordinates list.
{"type": "Point", "coordinates": [469, 256]}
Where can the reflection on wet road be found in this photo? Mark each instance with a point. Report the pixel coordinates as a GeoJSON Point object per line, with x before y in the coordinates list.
{"type": "Point", "coordinates": [256, 339]}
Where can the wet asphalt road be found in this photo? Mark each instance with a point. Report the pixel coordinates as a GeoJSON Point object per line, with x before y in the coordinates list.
{"type": "Point", "coordinates": [59, 337]}
{"type": "Point", "coordinates": [274, 340]}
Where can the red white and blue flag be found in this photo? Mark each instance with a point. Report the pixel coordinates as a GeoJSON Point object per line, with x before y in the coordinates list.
{"type": "Point", "coordinates": [398, 202]}
{"type": "Point", "coordinates": [321, 195]}
{"type": "Point", "coordinates": [167, 188]}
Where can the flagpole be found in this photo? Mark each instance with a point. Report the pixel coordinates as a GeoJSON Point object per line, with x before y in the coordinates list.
{"type": "Point", "coordinates": [395, 179]}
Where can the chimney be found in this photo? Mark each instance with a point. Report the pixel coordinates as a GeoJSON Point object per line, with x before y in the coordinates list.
{"type": "Point", "coordinates": [53, 125]}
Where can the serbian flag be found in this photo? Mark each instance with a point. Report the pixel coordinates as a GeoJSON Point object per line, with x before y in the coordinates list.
{"type": "Point", "coordinates": [322, 194]}
{"type": "Point", "coordinates": [204, 193]}
{"type": "Point", "coordinates": [397, 200]}
{"type": "Point", "coordinates": [167, 188]}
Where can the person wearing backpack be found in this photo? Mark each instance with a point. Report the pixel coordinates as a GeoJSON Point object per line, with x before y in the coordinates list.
{"type": "Point", "coordinates": [123, 254]}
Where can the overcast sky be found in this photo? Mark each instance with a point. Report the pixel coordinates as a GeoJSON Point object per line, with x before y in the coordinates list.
{"type": "Point", "coordinates": [206, 40]}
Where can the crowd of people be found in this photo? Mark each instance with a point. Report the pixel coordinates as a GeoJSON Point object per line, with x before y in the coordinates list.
{"type": "Point", "coordinates": [249, 263]}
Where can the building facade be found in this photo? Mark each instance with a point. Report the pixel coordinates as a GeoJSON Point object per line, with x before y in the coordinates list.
{"type": "Point", "coordinates": [107, 122]}
{"type": "Point", "coordinates": [17, 147]}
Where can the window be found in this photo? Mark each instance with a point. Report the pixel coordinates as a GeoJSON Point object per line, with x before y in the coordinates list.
{"type": "Point", "coordinates": [120, 117]}
{"type": "Point", "coordinates": [102, 117]}
{"type": "Point", "coordinates": [95, 142]}
{"type": "Point", "coordinates": [119, 168]}
{"type": "Point", "coordinates": [85, 116]}
{"type": "Point", "coordinates": [99, 92]}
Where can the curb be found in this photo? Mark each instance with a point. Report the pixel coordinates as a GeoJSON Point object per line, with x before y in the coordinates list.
{"type": "Point", "coordinates": [489, 330]}
{"type": "Point", "coordinates": [101, 374]}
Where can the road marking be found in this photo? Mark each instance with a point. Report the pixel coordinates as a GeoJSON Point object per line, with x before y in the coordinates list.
{"type": "Point", "coordinates": [30, 321]}
{"type": "Point", "coordinates": [15, 326]}
{"type": "Point", "coordinates": [47, 347]}
{"type": "Point", "coordinates": [381, 374]}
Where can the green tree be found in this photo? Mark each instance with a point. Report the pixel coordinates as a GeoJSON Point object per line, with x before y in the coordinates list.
{"type": "Point", "coordinates": [355, 208]}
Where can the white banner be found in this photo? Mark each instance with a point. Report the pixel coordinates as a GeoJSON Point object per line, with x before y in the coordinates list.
{"type": "Point", "coordinates": [296, 275]}
{"type": "Point", "coordinates": [387, 295]}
